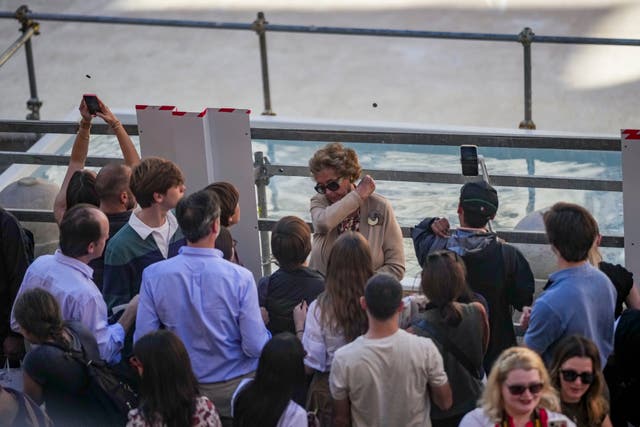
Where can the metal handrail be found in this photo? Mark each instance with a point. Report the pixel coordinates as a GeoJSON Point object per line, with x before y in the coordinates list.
{"type": "Point", "coordinates": [320, 29]}
{"type": "Point", "coordinates": [265, 170]}
{"type": "Point", "coordinates": [265, 224]}
{"type": "Point", "coordinates": [260, 26]}
{"type": "Point", "coordinates": [603, 143]}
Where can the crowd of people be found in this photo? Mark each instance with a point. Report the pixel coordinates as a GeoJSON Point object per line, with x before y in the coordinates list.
{"type": "Point", "coordinates": [148, 287]}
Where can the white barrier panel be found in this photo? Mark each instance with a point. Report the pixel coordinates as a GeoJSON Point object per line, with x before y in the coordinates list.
{"type": "Point", "coordinates": [156, 132]}
{"type": "Point", "coordinates": [228, 134]}
{"type": "Point", "coordinates": [214, 145]}
{"type": "Point", "coordinates": [630, 149]}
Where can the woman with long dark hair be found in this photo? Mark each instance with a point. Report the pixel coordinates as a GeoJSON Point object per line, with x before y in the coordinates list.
{"type": "Point", "coordinates": [576, 373]}
{"type": "Point", "coordinates": [169, 394]}
{"type": "Point", "coordinates": [50, 375]}
{"type": "Point", "coordinates": [335, 318]}
{"type": "Point", "coordinates": [460, 331]}
{"type": "Point", "coordinates": [266, 400]}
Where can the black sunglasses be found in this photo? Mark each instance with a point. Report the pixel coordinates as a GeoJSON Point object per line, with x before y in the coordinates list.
{"type": "Point", "coordinates": [569, 375]}
{"type": "Point", "coordinates": [518, 389]}
{"type": "Point", "coordinates": [331, 185]}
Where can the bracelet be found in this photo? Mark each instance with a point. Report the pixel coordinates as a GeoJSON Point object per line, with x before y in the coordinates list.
{"type": "Point", "coordinates": [115, 125]}
{"type": "Point", "coordinates": [301, 331]}
{"type": "Point", "coordinates": [84, 125]}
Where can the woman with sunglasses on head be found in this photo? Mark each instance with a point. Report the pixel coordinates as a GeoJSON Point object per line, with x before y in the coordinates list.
{"type": "Point", "coordinates": [518, 393]}
{"type": "Point", "coordinates": [342, 205]}
{"type": "Point", "coordinates": [335, 318]}
{"type": "Point", "coordinates": [460, 331]}
{"type": "Point", "coordinates": [576, 373]}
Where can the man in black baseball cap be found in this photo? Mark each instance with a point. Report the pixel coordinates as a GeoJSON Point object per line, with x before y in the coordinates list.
{"type": "Point", "coordinates": [496, 271]}
{"type": "Point", "coordinates": [479, 203]}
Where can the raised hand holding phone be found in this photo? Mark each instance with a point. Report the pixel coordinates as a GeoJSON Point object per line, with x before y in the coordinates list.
{"type": "Point", "coordinates": [91, 100]}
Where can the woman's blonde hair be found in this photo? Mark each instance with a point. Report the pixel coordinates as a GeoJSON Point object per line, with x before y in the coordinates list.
{"type": "Point", "coordinates": [511, 359]}
{"type": "Point", "coordinates": [338, 157]}
{"type": "Point", "coordinates": [348, 270]}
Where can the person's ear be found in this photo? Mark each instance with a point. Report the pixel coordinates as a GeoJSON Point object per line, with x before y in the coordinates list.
{"type": "Point", "coordinates": [459, 211]}
{"type": "Point", "coordinates": [124, 198]}
{"type": "Point", "coordinates": [363, 303]}
{"type": "Point", "coordinates": [158, 197]}
{"type": "Point", "coordinates": [215, 226]}
{"type": "Point", "coordinates": [400, 307]}
{"type": "Point", "coordinates": [598, 239]}
{"type": "Point", "coordinates": [91, 248]}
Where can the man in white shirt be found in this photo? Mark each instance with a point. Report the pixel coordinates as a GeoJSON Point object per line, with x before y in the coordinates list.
{"type": "Point", "coordinates": [387, 377]}
{"type": "Point", "coordinates": [83, 232]}
{"type": "Point", "coordinates": [152, 233]}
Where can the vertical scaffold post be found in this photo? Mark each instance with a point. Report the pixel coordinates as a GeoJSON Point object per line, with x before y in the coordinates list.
{"type": "Point", "coordinates": [33, 104]}
{"type": "Point", "coordinates": [260, 29]}
{"type": "Point", "coordinates": [261, 175]}
{"type": "Point", "coordinates": [526, 38]}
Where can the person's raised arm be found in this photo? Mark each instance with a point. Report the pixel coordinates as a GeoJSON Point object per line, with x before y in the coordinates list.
{"type": "Point", "coordinates": [129, 152]}
{"type": "Point", "coordinates": [76, 161]}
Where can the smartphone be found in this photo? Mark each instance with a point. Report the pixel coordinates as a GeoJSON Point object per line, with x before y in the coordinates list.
{"type": "Point", "coordinates": [469, 160]}
{"type": "Point", "coordinates": [92, 103]}
{"type": "Point", "coordinates": [557, 424]}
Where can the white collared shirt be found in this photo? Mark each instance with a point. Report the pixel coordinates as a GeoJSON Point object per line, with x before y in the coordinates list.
{"type": "Point", "coordinates": [162, 235]}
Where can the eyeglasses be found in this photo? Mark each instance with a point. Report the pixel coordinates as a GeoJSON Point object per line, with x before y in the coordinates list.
{"type": "Point", "coordinates": [333, 185]}
{"type": "Point", "coordinates": [518, 389]}
{"type": "Point", "coordinates": [569, 375]}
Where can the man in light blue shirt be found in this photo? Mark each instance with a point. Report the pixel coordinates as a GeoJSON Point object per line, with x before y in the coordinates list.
{"type": "Point", "coordinates": [84, 230]}
{"type": "Point", "coordinates": [210, 303]}
{"type": "Point", "coordinates": [579, 299]}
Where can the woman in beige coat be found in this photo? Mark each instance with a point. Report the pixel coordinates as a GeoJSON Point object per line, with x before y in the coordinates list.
{"type": "Point", "coordinates": [341, 205]}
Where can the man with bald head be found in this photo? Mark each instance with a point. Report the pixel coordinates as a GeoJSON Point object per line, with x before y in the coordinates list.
{"type": "Point", "coordinates": [117, 202]}
{"type": "Point", "coordinates": [66, 275]}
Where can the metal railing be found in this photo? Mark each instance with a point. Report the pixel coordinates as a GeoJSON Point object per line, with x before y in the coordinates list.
{"type": "Point", "coordinates": [264, 170]}
{"type": "Point", "coordinates": [30, 27]}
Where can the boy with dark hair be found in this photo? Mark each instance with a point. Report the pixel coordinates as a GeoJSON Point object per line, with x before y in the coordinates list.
{"type": "Point", "coordinates": [495, 270]}
{"type": "Point", "coordinates": [293, 282]}
{"type": "Point", "coordinates": [368, 379]}
{"type": "Point", "coordinates": [152, 233]}
{"type": "Point", "coordinates": [579, 298]}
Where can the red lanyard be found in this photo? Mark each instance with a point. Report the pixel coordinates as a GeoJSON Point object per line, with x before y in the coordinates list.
{"type": "Point", "coordinates": [539, 420]}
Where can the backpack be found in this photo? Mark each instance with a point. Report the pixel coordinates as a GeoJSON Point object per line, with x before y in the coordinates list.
{"type": "Point", "coordinates": [114, 393]}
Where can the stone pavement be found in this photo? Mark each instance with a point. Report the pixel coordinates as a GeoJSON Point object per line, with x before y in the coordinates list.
{"type": "Point", "coordinates": [586, 89]}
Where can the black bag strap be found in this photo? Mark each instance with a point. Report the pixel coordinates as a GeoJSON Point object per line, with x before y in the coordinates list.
{"type": "Point", "coordinates": [80, 356]}
{"type": "Point", "coordinates": [450, 347]}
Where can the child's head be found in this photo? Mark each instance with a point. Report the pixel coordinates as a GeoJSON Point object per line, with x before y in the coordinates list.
{"type": "Point", "coordinates": [291, 242]}
{"type": "Point", "coordinates": [229, 202]}
{"type": "Point", "coordinates": [153, 178]}
{"type": "Point", "coordinates": [571, 230]}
